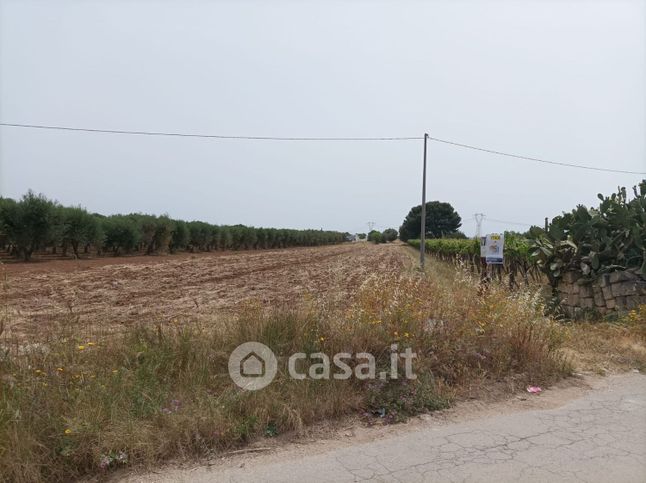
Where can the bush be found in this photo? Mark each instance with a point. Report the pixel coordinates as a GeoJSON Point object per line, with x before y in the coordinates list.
{"type": "Point", "coordinates": [375, 237]}
{"type": "Point", "coordinates": [389, 235]}
{"type": "Point", "coordinates": [591, 241]}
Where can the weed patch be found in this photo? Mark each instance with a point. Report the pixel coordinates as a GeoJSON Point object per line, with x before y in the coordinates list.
{"type": "Point", "coordinates": [73, 406]}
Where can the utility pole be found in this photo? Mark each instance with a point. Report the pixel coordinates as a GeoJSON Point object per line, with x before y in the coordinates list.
{"type": "Point", "coordinates": [371, 225]}
{"type": "Point", "coordinates": [422, 235]}
{"type": "Point", "coordinates": [479, 217]}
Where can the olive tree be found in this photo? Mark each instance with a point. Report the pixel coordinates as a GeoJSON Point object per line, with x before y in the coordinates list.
{"type": "Point", "coordinates": [28, 224]}
{"type": "Point", "coordinates": [78, 227]}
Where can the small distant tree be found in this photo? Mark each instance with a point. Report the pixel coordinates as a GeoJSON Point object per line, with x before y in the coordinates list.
{"type": "Point", "coordinates": [28, 224]}
{"type": "Point", "coordinates": [179, 237]}
{"type": "Point", "coordinates": [361, 236]}
{"type": "Point", "coordinates": [389, 234]}
{"type": "Point", "coordinates": [164, 227]}
{"type": "Point", "coordinates": [147, 227]}
{"type": "Point", "coordinates": [78, 227]}
{"type": "Point", "coordinates": [261, 238]}
{"type": "Point", "coordinates": [121, 233]}
{"type": "Point", "coordinates": [8, 211]}
{"type": "Point", "coordinates": [375, 237]}
{"type": "Point", "coordinates": [226, 239]}
{"type": "Point", "coordinates": [441, 221]}
{"type": "Point", "coordinates": [199, 235]}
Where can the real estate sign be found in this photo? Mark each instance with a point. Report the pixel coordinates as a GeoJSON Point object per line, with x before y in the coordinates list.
{"type": "Point", "coordinates": [494, 245]}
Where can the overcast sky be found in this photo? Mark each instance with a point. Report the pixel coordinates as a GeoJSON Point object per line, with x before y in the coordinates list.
{"type": "Point", "coordinates": [560, 80]}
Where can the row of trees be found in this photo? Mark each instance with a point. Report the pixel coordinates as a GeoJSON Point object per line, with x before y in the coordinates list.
{"type": "Point", "coordinates": [36, 223]}
{"type": "Point", "coordinates": [386, 236]}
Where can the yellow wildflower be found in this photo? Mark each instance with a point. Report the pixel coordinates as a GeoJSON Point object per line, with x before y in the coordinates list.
{"type": "Point", "coordinates": [68, 431]}
{"type": "Point", "coordinates": [81, 347]}
{"type": "Point", "coordinates": [90, 344]}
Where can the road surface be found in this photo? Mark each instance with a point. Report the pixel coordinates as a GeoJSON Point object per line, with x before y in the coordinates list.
{"type": "Point", "coordinates": [598, 437]}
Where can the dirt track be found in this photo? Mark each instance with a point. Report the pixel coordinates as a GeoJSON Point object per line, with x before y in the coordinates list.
{"type": "Point", "coordinates": [124, 291]}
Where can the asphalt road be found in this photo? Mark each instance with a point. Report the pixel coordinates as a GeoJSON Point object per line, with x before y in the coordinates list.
{"type": "Point", "coordinates": [599, 437]}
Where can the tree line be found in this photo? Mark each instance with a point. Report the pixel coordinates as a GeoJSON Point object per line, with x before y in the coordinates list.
{"type": "Point", "coordinates": [35, 223]}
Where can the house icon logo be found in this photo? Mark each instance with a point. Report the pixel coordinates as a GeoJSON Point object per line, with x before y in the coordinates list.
{"type": "Point", "coordinates": [252, 366]}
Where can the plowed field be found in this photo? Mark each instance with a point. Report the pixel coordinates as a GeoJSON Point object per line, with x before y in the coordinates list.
{"type": "Point", "coordinates": [111, 293]}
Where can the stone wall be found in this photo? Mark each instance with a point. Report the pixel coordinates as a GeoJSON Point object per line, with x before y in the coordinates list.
{"type": "Point", "coordinates": [616, 291]}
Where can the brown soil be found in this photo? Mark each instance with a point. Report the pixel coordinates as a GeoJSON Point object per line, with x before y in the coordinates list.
{"type": "Point", "coordinates": [121, 291]}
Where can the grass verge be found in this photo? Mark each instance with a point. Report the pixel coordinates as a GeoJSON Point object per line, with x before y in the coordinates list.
{"type": "Point", "coordinates": [72, 406]}
{"type": "Point", "coordinates": [608, 346]}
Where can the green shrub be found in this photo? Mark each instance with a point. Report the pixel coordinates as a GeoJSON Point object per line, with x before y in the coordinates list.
{"type": "Point", "coordinates": [375, 237]}
{"type": "Point", "coordinates": [591, 241]}
{"type": "Point", "coordinates": [389, 234]}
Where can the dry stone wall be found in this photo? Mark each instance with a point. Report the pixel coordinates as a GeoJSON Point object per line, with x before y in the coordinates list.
{"type": "Point", "coordinates": [616, 291]}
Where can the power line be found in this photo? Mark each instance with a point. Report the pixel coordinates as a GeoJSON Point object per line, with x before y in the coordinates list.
{"type": "Point", "coordinates": [211, 136]}
{"type": "Point", "coordinates": [509, 222]}
{"type": "Point", "coordinates": [474, 219]}
{"type": "Point", "coordinates": [291, 138]}
{"type": "Point", "coordinates": [538, 160]}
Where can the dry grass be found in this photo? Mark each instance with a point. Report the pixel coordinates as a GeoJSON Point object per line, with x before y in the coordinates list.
{"type": "Point", "coordinates": [72, 406]}
{"type": "Point", "coordinates": [609, 346]}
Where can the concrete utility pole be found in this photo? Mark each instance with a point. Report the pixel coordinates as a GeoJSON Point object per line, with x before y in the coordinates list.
{"type": "Point", "coordinates": [479, 217]}
{"type": "Point", "coordinates": [422, 234]}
